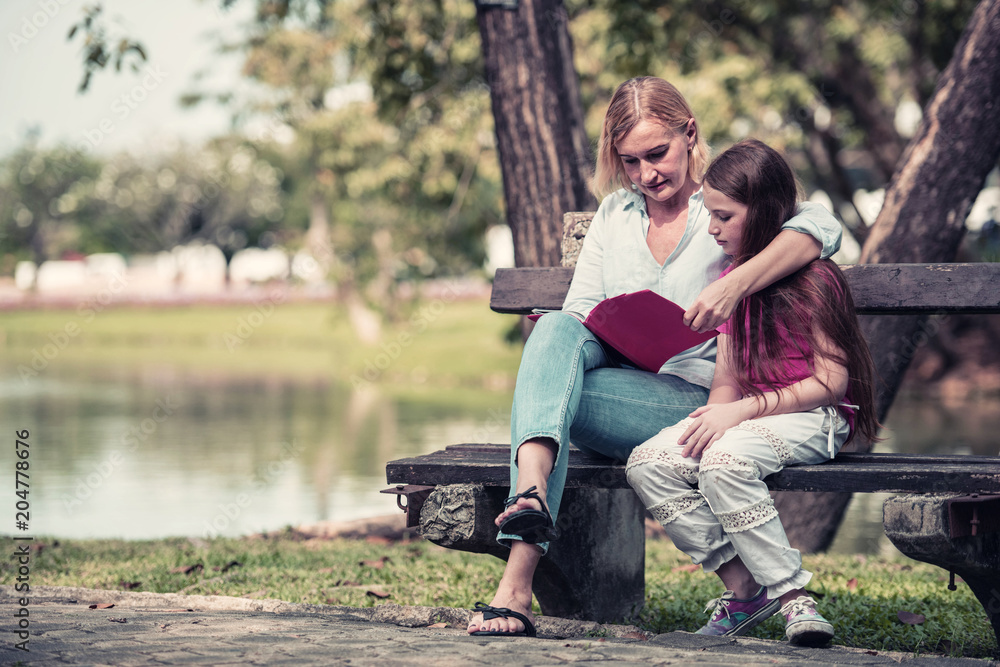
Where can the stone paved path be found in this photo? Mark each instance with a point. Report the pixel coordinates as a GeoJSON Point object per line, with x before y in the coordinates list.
{"type": "Point", "coordinates": [152, 629]}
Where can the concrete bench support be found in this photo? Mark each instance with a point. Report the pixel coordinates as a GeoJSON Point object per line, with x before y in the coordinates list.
{"type": "Point", "coordinates": [596, 575]}
{"type": "Point", "coordinates": [920, 526]}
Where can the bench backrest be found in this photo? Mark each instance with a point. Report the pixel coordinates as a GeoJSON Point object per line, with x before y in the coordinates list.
{"type": "Point", "coordinates": [887, 289]}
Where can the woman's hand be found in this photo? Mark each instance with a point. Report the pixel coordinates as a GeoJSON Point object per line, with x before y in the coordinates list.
{"type": "Point", "coordinates": [714, 305]}
{"type": "Point", "coordinates": [710, 422]}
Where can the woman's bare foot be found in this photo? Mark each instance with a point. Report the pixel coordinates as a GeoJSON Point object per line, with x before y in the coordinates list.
{"type": "Point", "coordinates": [514, 592]}
{"type": "Point", "coordinates": [523, 503]}
{"type": "Point", "coordinates": [500, 624]}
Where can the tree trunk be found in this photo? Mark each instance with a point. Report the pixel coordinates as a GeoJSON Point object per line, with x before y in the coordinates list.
{"type": "Point", "coordinates": [862, 99]}
{"type": "Point", "coordinates": [923, 220]}
{"type": "Point", "coordinates": [821, 150]}
{"type": "Point", "coordinates": [544, 152]}
{"type": "Point", "coordinates": [317, 240]}
{"type": "Point", "coordinates": [940, 175]}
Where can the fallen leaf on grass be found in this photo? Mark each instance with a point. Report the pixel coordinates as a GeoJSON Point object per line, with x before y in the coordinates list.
{"type": "Point", "coordinates": [187, 569]}
{"type": "Point", "coordinates": [438, 625]}
{"type": "Point", "coordinates": [129, 585]}
{"type": "Point", "coordinates": [345, 582]}
{"type": "Point", "coordinates": [102, 605]}
{"type": "Point", "coordinates": [228, 566]}
{"type": "Point", "coordinates": [852, 584]}
{"type": "Point", "coordinates": [690, 567]}
{"type": "Point", "coordinates": [910, 618]}
{"type": "Point", "coordinates": [325, 570]}
{"type": "Point", "coordinates": [376, 564]}
{"type": "Point", "coordinates": [378, 594]}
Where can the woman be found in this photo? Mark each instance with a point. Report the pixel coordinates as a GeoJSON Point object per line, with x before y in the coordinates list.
{"type": "Point", "coordinates": [650, 232]}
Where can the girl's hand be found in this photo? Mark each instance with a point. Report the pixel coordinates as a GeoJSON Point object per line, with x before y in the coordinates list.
{"type": "Point", "coordinates": [714, 305]}
{"type": "Point", "coordinates": [710, 422]}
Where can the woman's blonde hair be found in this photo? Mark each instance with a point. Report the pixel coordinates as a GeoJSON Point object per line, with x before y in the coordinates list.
{"type": "Point", "coordinates": [642, 98]}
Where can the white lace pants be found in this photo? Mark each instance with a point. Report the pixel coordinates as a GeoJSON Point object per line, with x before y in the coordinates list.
{"type": "Point", "coordinates": [716, 507]}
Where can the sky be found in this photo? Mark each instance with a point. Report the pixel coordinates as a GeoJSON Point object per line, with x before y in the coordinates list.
{"type": "Point", "coordinates": [40, 71]}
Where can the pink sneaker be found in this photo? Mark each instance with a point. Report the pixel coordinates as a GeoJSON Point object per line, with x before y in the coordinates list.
{"type": "Point", "coordinates": [731, 616]}
{"type": "Point", "coordinates": [804, 626]}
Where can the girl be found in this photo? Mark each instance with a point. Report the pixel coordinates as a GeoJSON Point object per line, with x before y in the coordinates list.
{"type": "Point", "coordinates": [790, 361]}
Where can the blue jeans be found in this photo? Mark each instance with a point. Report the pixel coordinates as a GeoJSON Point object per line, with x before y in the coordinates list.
{"type": "Point", "coordinates": [567, 390]}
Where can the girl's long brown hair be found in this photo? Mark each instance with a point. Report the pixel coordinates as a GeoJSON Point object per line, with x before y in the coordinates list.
{"type": "Point", "coordinates": [813, 303]}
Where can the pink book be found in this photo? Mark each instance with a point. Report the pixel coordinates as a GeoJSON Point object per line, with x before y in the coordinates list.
{"type": "Point", "coordinates": [645, 327]}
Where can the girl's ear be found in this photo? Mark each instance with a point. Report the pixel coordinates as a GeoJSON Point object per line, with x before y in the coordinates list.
{"type": "Point", "coordinates": [691, 132]}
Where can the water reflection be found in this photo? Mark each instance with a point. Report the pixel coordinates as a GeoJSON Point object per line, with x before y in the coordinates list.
{"type": "Point", "coordinates": [137, 458]}
{"type": "Point", "coordinates": [154, 453]}
{"type": "Point", "coordinates": [933, 427]}
{"type": "Point", "coordinates": [918, 426]}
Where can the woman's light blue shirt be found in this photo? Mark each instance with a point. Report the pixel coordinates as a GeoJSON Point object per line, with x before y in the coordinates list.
{"type": "Point", "coordinates": [616, 260]}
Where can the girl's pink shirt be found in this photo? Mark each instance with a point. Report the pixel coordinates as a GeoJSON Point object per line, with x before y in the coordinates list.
{"type": "Point", "coordinates": [794, 365]}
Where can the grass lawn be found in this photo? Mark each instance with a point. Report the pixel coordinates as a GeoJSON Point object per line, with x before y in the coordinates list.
{"type": "Point", "coordinates": [861, 595]}
{"type": "Point", "coordinates": [446, 345]}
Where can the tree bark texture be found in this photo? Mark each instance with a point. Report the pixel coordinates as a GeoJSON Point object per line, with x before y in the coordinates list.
{"type": "Point", "coordinates": [545, 156]}
{"type": "Point", "coordinates": [940, 175]}
{"type": "Point", "coordinates": [937, 180]}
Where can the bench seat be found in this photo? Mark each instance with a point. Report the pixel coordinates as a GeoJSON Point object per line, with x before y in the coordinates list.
{"type": "Point", "coordinates": [489, 465]}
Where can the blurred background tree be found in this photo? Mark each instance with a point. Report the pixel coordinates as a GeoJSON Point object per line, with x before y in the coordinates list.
{"type": "Point", "coordinates": [390, 169]}
{"type": "Point", "coordinates": [838, 84]}
{"type": "Point", "coordinates": [59, 201]}
{"type": "Point", "coordinates": [46, 202]}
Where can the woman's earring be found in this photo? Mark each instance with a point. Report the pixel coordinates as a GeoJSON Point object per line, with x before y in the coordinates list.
{"type": "Point", "coordinates": [635, 186]}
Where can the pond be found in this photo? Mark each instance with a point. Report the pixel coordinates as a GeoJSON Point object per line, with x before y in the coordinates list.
{"type": "Point", "coordinates": [153, 453]}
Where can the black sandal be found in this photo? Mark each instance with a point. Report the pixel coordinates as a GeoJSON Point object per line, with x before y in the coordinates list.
{"type": "Point", "coordinates": [489, 612]}
{"type": "Point", "coordinates": [531, 525]}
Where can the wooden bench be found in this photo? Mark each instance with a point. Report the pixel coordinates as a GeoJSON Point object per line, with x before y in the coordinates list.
{"type": "Point", "coordinates": [947, 515]}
